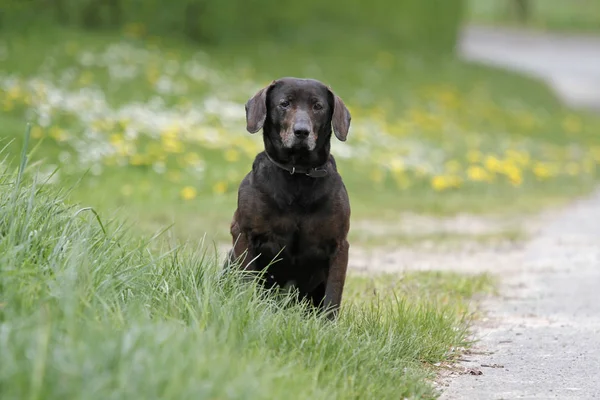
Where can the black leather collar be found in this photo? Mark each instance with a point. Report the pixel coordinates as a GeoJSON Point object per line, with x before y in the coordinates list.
{"type": "Point", "coordinates": [318, 172]}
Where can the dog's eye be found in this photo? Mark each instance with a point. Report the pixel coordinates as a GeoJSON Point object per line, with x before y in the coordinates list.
{"type": "Point", "coordinates": [284, 104]}
{"type": "Point", "coordinates": [318, 106]}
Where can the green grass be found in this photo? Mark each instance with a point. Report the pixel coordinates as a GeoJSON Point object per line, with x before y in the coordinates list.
{"type": "Point", "coordinates": [89, 309]}
{"type": "Point", "coordinates": [556, 15]}
{"type": "Point", "coordinates": [423, 113]}
{"type": "Point", "coordinates": [386, 238]}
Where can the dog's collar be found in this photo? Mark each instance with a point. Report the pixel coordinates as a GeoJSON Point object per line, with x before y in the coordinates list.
{"type": "Point", "coordinates": [318, 172]}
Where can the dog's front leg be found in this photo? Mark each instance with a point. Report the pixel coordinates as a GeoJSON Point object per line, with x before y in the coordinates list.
{"type": "Point", "coordinates": [243, 254]}
{"type": "Point", "coordinates": [336, 280]}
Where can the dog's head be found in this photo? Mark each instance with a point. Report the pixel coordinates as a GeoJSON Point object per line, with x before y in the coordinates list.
{"type": "Point", "coordinates": [297, 113]}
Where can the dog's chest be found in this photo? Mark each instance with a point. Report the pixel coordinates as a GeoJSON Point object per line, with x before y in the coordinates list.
{"type": "Point", "coordinates": [299, 240]}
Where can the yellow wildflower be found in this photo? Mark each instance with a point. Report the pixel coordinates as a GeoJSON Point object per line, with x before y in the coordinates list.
{"type": "Point", "coordinates": [514, 174]}
{"type": "Point", "coordinates": [493, 164]}
{"type": "Point", "coordinates": [171, 143]}
{"type": "Point", "coordinates": [220, 187]}
{"type": "Point", "coordinates": [116, 139]}
{"type": "Point", "coordinates": [478, 174]}
{"type": "Point", "coordinates": [443, 182]}
{"type": "Point", "coordinates": [541, 170]}
{"type": "Point", "coordinates": [58, 134]}
{"type": "Point", "coordinates": [188, 193]}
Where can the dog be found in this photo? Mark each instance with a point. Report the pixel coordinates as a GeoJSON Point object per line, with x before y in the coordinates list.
{"type": "Point", "coordinates": [293, 205]}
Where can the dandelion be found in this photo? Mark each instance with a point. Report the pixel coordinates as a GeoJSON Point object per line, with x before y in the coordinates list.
{"type": "Point", "coordinates": [514, 175]}
{"type": "Point", "coordinates": [444, 182]}
{"type": "Point", "coordinates": [493, 164]}
{"type": "Point", "coordinates": [478, 174]}
{"type": "Point", "coordinates": [116, 140]}
{"type": "Point", "coordinates": [220, 187]}
{"type": "Point", "coordinates": [171, 143]}
{"type": "Point", "coordinates": [188, 193]}
{"type": "Point", "coordinates": [541, 171]}
{"type": "Point", "coordinates": [57, 134]}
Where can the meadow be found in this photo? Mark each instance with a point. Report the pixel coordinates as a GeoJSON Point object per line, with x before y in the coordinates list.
{"type": "Point", "coordinates": [157, 126]}
{"type": "Point", "coordinates": [132, 133]}
{"type": "Point", "coordinates": [89, 309]}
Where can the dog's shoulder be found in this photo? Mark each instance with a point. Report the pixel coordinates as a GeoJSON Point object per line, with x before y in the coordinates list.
{"type": "Point", "coordinates": [259, 161]}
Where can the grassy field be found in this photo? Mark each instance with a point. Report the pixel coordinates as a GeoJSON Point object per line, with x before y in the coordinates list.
{"type": "Point", "coordinates": [560, 15]}
{"type": "Point", "coordinates": [158, 127]}
{"type": "Point", "coordinates": [151, 132]}
{"type": "Point", "coordinates": [89, 309]}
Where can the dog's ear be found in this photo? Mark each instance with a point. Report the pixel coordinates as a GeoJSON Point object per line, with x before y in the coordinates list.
{"type": "Point", "coordinates": [341, 117]}
{"type": "Point", "coordinates": [256, 110]}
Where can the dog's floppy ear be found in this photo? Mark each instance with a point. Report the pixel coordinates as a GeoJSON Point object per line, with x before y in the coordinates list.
{"type": "Point", "coordinates": [341, 117]}
{"type": "Point", "coordinates": [256, 110]}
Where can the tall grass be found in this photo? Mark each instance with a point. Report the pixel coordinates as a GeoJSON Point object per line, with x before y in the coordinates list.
{"type": "Point", "coordinates": [89, 311]}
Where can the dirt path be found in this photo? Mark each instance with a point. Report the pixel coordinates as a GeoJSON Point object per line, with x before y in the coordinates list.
{"type": "Point", "coordinates": [570, 64]}
{"type": "Point", "coordinates": [541, 338]}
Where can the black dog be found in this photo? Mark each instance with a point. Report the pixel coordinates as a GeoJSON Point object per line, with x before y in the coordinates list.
{"type": "Point", "coordinates": [293, 205]}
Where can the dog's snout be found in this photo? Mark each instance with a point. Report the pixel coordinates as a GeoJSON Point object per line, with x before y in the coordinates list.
{"type": "Point", "coordinates": [301, 129]}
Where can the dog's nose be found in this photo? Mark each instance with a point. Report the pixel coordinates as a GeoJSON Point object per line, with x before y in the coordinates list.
{"type": "Point", "coordinates": [301, 130]}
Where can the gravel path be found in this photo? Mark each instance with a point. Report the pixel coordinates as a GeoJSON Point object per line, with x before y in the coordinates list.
{"type": "Point", "coordinates": [541, 338]}
{"type": "Point", "coordinates": [570, 64]}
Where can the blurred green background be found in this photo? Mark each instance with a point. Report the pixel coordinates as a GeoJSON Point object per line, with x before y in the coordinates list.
{"type": "Point", "coordinates": [138, 105]}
